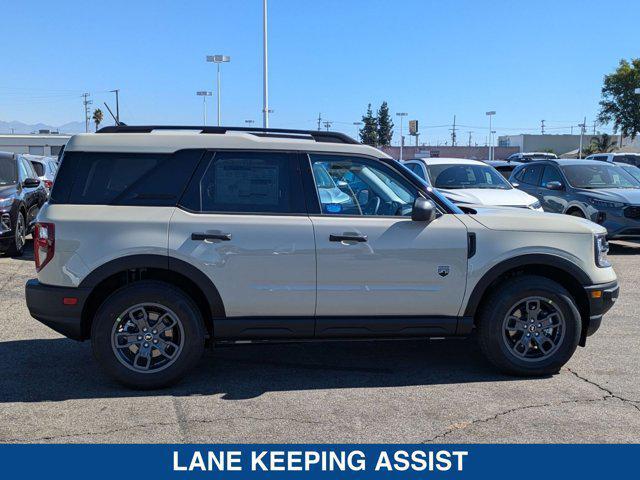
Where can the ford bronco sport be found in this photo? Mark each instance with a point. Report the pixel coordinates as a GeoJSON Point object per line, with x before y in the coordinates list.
{"type": "Point", "coordinates": [159, 240]}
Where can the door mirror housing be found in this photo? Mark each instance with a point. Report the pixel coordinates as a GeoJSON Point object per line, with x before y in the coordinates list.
{"type": "Point", "coordinates": [554, 185]}
{"type": "Point", "coordinates": [31, 182]}
{"type": "Point", "coordinates": [514, 184]}
{"type": "Point", "coordinates": [423, 210]}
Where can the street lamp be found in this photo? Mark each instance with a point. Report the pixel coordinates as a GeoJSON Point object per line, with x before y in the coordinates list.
{"type": "Point", "coordinates": [265, 69]}
{"type": "Point", "coordinates": [490, 115]}
{"type": "Point", "coordinates": [401, 115]}
{"type": "Point", "coordinates": [218, 59]}
{"type": "Point", "coordinates": [204, 94]}
{"type": "Point", "coordinates": [357, 125]}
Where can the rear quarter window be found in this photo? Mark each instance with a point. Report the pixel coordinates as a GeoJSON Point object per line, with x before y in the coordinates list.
{"type": "Point", "coordinates": [136, 179]}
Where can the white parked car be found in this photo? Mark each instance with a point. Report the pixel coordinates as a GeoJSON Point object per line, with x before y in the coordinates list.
{"type": "Point", "coordinates": [471, 182]}
{"type": "Point", "coordinates": [156, 243]}
{"type": "Point", "coordinates": [620, 157]}
{"type": "Point", "coordinates": [45, 167]}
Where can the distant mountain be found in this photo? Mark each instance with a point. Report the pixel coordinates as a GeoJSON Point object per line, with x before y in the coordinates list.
{"type": "Point", "coordinates": [19, 127]}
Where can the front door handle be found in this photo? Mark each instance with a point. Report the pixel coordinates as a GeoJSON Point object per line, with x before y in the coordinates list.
{"type": "Point", "coordinates": [347, 238]}
{"type": "Point", "coordinates": [225, 237]}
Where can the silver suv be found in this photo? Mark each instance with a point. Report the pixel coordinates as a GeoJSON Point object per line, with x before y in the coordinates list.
{"type": "Point", "coordinates": [160, 240]}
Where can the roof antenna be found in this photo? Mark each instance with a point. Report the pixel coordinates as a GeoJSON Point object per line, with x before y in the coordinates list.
{"type": "Point", "coordinates": [114, 117]}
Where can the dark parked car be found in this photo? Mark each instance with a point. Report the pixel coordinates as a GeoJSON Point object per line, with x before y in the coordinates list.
{"type": "Point", "coordinates": [505, 167]}
{"type": "Point", "coordinates": [600, 191]}
{"type": "Point", "coordinates": [21, 196]}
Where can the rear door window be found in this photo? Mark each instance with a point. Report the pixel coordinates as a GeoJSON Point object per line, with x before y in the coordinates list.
{"type": "Point", "coordinates": [38, 167]}
{"type": "Point", "coordinates": [247, 182]}
{"type": "Point", "coordinates": [143, 179]}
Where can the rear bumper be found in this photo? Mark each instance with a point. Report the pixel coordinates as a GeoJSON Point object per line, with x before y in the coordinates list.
{"type": "Point", "coordinates": [601, 298]}
{"type": "Point", "coordinates": [46, 304]}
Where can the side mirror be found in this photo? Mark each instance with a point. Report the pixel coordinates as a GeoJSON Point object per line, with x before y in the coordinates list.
{"type": "Point", "coordinates": [554, 185]}
{"type": "Point", "coordinates": [341, 184]}
{"type": "Point", "coordinates": [423, 210]}
{"type": "Point", "coordinates": [514, 184]}
{"type": "Point", "coordinates": [31, 182]}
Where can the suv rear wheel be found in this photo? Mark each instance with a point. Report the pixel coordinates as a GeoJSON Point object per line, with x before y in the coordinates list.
{"type": "Point", "coordinates": [148, 335]}
{"type": "Point", "coordinates": [529, 326]}
{"type": "Point", "coordinates": [17, 247]}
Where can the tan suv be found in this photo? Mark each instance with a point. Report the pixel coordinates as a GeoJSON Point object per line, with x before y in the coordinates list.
{"type": "Point", "coordinates": [159, 240]}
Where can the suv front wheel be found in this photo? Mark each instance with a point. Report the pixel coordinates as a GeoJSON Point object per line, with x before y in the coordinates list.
{"type": "Point", "coordinates": [529, 326]}
{"type": "Point", "coordinates": [148, 335]}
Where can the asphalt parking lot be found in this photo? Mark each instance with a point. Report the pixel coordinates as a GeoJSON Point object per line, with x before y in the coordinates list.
{"type": "Point", "coordinates": [51, 390]}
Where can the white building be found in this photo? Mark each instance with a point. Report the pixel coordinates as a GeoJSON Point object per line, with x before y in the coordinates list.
{"type": "Point", "coordinates": [48, 144]}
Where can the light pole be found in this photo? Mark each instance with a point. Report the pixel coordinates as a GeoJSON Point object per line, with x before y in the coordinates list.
{"type": "Point", "coordinates": [401, 115]}
{"type": "Point", "coordinates": [490, 115]}
{"type": "Point", "coordinates": [218, 59]}
{"type": "Point", "coordinates": [357, 125]}
{"type": "Point", "coordinates": [117, 92]}
{"type": "Point", "coordinates": [583, 127]}
{"type": "Point", "coordinates": [265, 68]}
{"type": "Point", "coordinates": [204, 94]}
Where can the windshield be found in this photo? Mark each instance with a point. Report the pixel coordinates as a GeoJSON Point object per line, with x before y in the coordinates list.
{"type": "Point", "coordinates": [466, 176]}
{"type": "Point", "coordinates": [599, 176]}
{"type": "Point", "coordinates": [633, 171]}
{"type": "Point", "coordinates": [8, 171]}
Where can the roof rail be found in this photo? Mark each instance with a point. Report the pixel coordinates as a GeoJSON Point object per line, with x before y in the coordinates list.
{"type": "Point", "coordinates": [318, 136]}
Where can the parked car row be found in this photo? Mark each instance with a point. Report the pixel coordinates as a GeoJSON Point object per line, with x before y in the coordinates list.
{"type": "Point", "coordinates": [22, 194]}
{"type": "Point", "coordinates": [604, 191]}
{"type": "Point", "coordinates": [155, 243]}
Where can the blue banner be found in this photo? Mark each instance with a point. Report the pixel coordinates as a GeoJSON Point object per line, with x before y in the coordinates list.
{"type": "Point", "coordinates": [521, 462]}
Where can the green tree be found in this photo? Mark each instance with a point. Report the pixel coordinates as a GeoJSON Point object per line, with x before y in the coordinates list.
{"type": "Point", "coordinates": [385, 125]}
{"type": "Point", "coordinates": [97, 117]}
{"type": "Point", "coordinates": [620, 104]}
{"type": "Point", "coordinates": [369, 130]}
{"type": "Point", "coordinates": [603, 144]}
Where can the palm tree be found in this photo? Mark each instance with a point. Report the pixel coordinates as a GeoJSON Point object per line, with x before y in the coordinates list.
{"type": "Point", "coordinates": [602, 144]}
{"type": "Point", "coordinates": [97, 117]}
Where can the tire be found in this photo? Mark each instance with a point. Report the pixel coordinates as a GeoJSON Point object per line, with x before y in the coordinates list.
{"type": "Point", "coordinates": [511, 350]}
{"type": "Point", "coordinates": [576, 213]}
{"type": "Point", "coordinates": [115, 338]}
{"type": "Point", "coordinates": [16, 249]}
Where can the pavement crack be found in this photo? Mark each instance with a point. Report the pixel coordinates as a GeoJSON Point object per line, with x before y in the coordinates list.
{"type": "Point", "coordinates": [633, 403]}
{"type": "Point", "coordinates": [463, 425]}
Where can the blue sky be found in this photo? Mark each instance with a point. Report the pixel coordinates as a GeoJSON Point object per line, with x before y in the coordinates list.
{"type": "Point", "coordinates": [527, 60]}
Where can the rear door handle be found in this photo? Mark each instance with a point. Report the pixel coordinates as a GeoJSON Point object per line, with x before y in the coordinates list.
{"type": "Point", "coordinates": [347, 238]}
{"type": "Point", "coordinates": [225, 237]}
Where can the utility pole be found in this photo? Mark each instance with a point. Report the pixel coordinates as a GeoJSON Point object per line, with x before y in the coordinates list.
{"type": "Point", "coordinates": [319, 120]}
{"type": "Point", "coordinates": [265, 68]}
{"type": "Point", "coordinates": [453, 132]}
{"type": "Point", "coordinates": [327, 125]}
{"type": "Point", "coordinates": [594, 126]}
{"type": "Point", "coordinates": [583, 128]}
{"type": "Point", "coordinates": [470, 138]}
{"type": "Point", "coordinates": [542, 126]}
{"type": "Point", "coordinates": [86, 102]}
{"type": "Point", "coordinates": [117, 91]}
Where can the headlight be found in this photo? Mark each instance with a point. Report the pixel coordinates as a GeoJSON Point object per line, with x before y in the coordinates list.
{"type": "Point", "coordinates": [601, 249]}
{"type": "Point", "coordinates": [535, 205]}
{"type": "Point", "coordinates": [6, 202]}
{"type": "Point", "coordinates": [605, 204]}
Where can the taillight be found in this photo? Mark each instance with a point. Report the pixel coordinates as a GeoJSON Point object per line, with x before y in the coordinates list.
{"type": "Point", "coordinates": [48, 184]}
{"type": "Point", "coordinates": [44, 244]}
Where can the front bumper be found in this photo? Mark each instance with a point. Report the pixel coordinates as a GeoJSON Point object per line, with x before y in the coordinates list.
{"type": "Point", "coordinates": [601, 298]}
{"type": "Point", "coordinates": [46, 303]}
